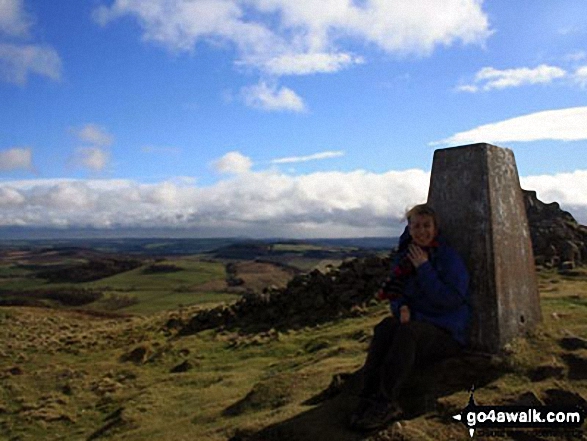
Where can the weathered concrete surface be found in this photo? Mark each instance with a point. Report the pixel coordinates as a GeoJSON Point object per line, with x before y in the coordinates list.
{"type": "Point", "coordinates": [476, 192]}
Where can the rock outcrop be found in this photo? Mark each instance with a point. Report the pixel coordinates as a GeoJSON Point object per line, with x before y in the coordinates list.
{"type": "Point", "coordinates": [558, 240]}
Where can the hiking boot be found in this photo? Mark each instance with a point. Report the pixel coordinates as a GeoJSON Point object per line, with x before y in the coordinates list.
{"type": "Point", "coordinates": [378, 415]}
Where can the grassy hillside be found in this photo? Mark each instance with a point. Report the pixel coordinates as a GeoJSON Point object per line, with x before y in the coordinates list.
{"type": "Point", "coordinates": [73, 375]}
{"type": "Point", "coordinates": [136, 284]}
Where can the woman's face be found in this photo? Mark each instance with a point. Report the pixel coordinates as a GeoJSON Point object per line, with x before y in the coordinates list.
{"type": "Point", "coordinates": [422, 229]}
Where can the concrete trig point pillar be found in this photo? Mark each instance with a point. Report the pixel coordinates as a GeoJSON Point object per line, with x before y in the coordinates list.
{"type": "Point", "coordinates": [476, 192]}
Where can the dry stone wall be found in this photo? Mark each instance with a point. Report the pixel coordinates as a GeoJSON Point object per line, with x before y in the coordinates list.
{"type": "Point", "coordinates": [307, 300]}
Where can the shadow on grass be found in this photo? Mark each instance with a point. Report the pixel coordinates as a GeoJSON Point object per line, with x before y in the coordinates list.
{"type": "Point", "coordinates": [327, 420]}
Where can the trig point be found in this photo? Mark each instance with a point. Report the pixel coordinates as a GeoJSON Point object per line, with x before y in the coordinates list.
{"type": "Point", "coordinates": [476, 192]}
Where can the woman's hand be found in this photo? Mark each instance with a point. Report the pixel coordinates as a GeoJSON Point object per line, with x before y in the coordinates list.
{"type": "Point", "coordinates": [417, 255]}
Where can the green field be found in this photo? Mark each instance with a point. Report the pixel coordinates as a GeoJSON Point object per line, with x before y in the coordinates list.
{"type": "Point", "coordinates": [136, 291]}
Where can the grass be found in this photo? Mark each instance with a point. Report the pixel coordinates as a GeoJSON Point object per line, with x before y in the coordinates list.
{"type": "Point", "coordinates": [193, 273]}
{"type": "Point", "coordinates": [63, 374]}
{"type": "Point", "coordinates": [157, 292]}
{"type": "Point", "coordinates": [150, 302]}
{"type": "Point", "coordinates": [147, 293]}
{"type": "Point", "coordinates": [158, 403]}
{"type": "Point", "coordinates": [296, 247]}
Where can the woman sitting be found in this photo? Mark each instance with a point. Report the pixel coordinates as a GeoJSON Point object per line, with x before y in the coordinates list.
{"type": "Point", "coordinates": [428, 292]}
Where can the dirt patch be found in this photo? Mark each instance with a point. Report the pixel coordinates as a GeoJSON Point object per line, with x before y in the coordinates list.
{"type": "Point", "coordinates": [259, 275]}
{"type": "Point", "coordinates": [210, 286]}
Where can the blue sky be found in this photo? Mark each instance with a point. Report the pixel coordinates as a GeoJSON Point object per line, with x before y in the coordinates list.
{"type": "Point", "coordinates": [278, 117]}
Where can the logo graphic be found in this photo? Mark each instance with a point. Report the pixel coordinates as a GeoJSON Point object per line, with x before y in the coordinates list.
{"type": "Point", "coordinates": [522, 417]}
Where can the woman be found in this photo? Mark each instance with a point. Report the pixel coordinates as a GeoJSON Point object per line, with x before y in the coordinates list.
{"type": "Point", "coordinates": [428, 292]}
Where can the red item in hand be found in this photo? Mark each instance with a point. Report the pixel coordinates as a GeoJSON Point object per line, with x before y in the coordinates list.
{"type": "Point", "coordinates": [381, 295]}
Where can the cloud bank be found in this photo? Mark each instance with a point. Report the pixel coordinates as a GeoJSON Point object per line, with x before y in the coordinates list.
{"type": "Point", "coordinates": [258, 204]}
{"type": "Point", "coordinates": [255, 203]}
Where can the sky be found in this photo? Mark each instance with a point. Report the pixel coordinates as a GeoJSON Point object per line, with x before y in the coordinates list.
{"type": "Point", "coordinates": [288, 118]}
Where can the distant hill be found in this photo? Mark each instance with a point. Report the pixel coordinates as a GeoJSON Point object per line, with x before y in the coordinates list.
{"type": "Point", "coordinates": [378, 243]}
{"type": "Point", "coordinates": [166, 246]}
{"type": "Point", "coordinates": [149, 247]}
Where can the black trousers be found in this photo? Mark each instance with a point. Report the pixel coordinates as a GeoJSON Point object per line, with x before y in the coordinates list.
{"type": "Point", "coordinates": [397, 348]}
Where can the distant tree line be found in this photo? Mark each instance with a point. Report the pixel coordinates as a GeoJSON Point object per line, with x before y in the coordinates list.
{"type": "Point", "coordinates": [89, 271]}
{"type": "Point", "coordinates": [158, 268]}
{"type": "Point", "coordinates": [65, 297]}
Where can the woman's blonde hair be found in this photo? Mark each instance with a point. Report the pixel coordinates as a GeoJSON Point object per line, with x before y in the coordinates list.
{"type": "Point", "coordinates": [422, 210]}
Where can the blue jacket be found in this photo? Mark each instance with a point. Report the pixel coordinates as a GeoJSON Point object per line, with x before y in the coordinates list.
{"type": "Point", "coordinates": [438, 291]}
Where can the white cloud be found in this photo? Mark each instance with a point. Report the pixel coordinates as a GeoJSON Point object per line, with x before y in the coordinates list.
{"type": "Point", "coordinates": [580, 77]}
{"type": "Point", "coordinates": [233, 163]}
{"type": "Point", "coordinates": [490, 78]}
{"type": "Point", "coordinates": [269, 97]}
{"type": "Point", "coordinates": [575, 56]}
{"type": "Point", "coordinates": [304, 64]}
{"type": "Point", "coordinates": [404, 26]}
{"type": "Point", "coordinates": [17, 158]}
{"type": "Point", "coordinates": [568, 189]}
{"type": "Point", "coordinates": [257, 203]}
{"type": "Point", "coordinates": [92, 158]}
{"type": "Point", "coordinates": [94, 135]}
{"type": "Point", "coordinates": [268, 203]}
{"type": "Point", "coordinates": [561, 124]}
{"type": "Point", "coordinates": [180, 24]}
{"type": "Point", "coordinates": [95, 155]}
{"type": "Point", "coordinates": [64, 197]}
{"type": "Point", "coordinates": [468, 88]}
{"type": "Point", "coordinates": [10, 197]}
{"type": "Point", "coordinates": [299, 37]}
{"type": "Point", "coordinates": [17, 61]}
{"type": "Point", "coordinates": [13, 18]}
{"type": "Point", "coordinates": [316, 156]}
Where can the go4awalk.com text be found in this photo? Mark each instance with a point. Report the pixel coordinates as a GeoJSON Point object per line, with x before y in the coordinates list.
{"type": "Point", "coordinates": [493, 420]}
